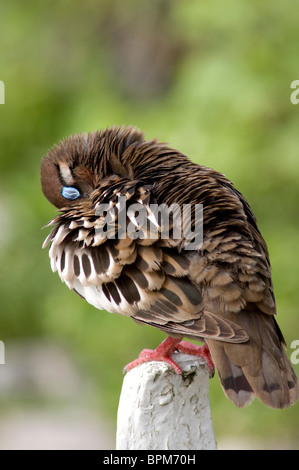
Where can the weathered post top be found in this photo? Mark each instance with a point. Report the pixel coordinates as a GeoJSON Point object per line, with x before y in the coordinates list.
{"type": "Point", "coordinates": [161, 410]}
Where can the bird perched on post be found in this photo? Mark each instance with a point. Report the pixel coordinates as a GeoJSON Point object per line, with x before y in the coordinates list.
{"type": "Point", "coordinates": [111, 245]}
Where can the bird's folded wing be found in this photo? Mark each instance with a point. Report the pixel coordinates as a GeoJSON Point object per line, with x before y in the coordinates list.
{"type": "Point", "coordinates": [145, 277]}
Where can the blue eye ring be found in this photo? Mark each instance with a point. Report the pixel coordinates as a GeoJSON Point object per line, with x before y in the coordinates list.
{"type": "Point", "coordinates": [68, 192]}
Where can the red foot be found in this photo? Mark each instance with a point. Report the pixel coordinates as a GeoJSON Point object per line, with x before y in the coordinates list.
{"type": "Point", "coordinates": [166, 348]}
{"type": "Point", "coordinates": [201, 351]}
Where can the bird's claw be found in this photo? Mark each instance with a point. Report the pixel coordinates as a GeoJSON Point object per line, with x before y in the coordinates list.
{"type": "Point", "coordinates": [164, 351]}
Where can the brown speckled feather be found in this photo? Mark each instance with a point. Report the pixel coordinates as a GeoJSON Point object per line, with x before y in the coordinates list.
{"type": "Point", "coordinates": [221, 292]}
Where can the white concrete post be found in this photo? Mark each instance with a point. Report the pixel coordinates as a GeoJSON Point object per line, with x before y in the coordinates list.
{"type": "Point", "coordinates": [160, 410]}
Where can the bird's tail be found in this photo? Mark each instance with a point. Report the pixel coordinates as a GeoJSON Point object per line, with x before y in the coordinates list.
{"type": "Point", "coordinates": [259, 367]}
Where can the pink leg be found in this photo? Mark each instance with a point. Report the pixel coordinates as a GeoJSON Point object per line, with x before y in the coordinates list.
{"type": "Point", "coordinates": [166, 348]}
{"type": "Point", "coordinates": [161, 353]}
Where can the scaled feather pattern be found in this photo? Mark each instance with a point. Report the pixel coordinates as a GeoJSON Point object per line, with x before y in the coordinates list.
{"type": "Point", "coordinates": [220, 292]}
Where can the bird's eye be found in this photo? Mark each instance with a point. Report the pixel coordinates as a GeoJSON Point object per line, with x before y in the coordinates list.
{"type": "Point", "coordinates": [70, 193]}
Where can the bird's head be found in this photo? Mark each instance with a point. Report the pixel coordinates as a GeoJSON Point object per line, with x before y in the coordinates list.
{"type": "Point", "coordinates": [73, 169]}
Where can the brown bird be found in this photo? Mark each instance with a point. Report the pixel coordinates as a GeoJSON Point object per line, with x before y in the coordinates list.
{"type": "Point", "coordinates": [111, 245]}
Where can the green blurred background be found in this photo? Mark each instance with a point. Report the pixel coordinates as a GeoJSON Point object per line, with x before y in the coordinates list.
{"type": "Point", "coordinates": [212, 79]}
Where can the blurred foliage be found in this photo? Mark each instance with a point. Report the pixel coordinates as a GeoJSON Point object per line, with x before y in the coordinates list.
{"type": "Point", "coordinates": [212, 79]}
